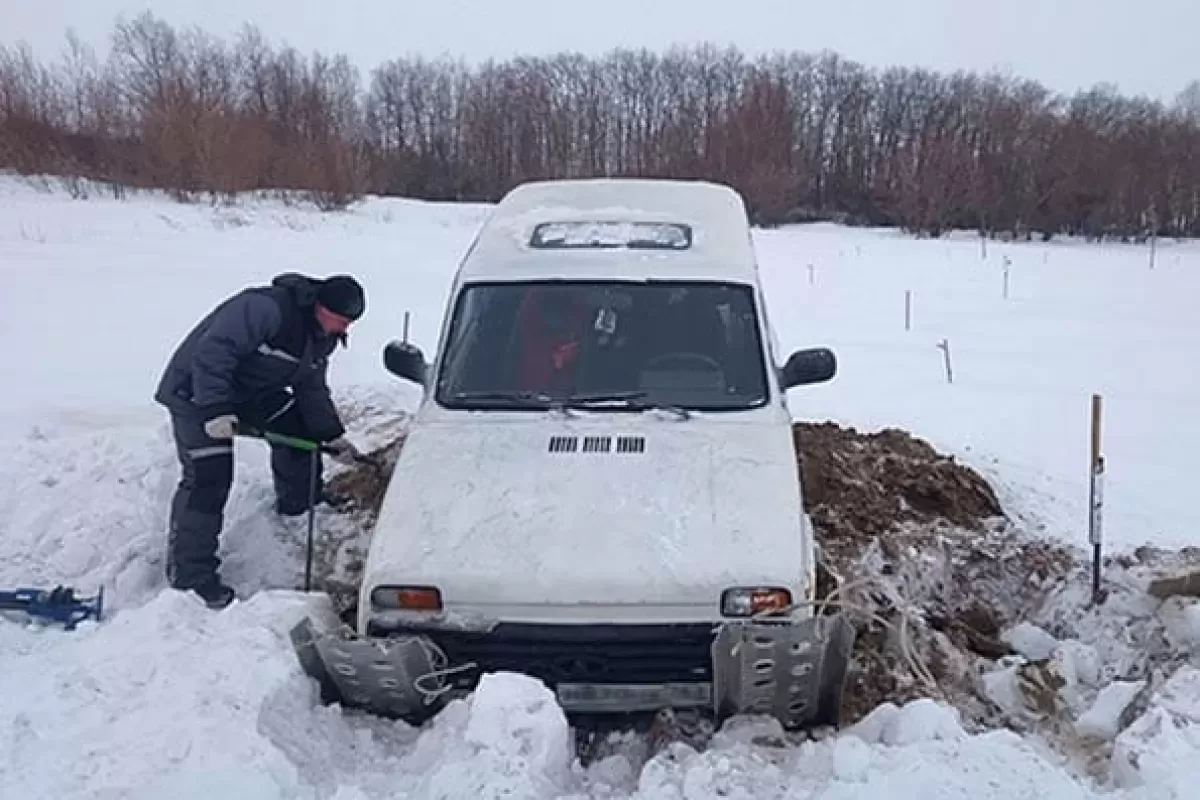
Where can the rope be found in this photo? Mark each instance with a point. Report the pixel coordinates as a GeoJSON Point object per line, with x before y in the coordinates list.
{"type": "Point", "coordinates": [916, 666]}
{"type": "Point", "coordinates": [437, 660]}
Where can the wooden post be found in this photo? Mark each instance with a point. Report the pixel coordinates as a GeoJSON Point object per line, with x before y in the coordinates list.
{"type": "Point", "coordinates": [908, 310]}
{"type": "Point", "coordinates": [944, 346]}
{"type": "Point", "coordinates": [1096, 499]}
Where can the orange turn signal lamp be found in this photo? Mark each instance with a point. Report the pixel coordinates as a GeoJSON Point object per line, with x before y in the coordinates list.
{"type": "Point", "coordinates": [407, 598]}
{"type": "Point", "coordinates": [747, 601]}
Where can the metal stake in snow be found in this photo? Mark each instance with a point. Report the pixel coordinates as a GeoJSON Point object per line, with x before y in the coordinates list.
{"type": "Point", "coordinates": [1007, 264]}
{"type": "Point", "coordinates": [944, 346]}
{"type": "Point", "coordinates": [406, 327]}
{"type": "Point", "coordinates": [811, 269]}
{"type": "Point", "coordinates": [1096, 499]}
{"type": "Point", "coordinates": [908, 310]}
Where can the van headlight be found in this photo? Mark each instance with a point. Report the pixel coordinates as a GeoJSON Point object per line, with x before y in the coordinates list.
{"type": "Point", "coordinates": [746, 601]}
{"type": "Point", "coordinates": [407, 598]}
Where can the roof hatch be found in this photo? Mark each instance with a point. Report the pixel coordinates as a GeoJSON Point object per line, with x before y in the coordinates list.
{"type": "Point", "coordinates": [609, 234]}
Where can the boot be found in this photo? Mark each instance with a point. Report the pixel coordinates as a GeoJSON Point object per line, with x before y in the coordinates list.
{"type": "Point", "coordinates": [215, 594]}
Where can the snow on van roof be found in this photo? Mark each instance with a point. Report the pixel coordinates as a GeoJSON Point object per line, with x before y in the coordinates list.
{"type": "Point", "coordinates": [622, 228]}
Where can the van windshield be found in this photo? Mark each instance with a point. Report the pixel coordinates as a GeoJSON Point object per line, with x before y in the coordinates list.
{"type": "Point", "coordinates": [684, 345]}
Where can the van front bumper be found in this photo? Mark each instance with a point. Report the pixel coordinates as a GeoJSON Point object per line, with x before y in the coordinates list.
{"type": "Point", "coordinates": [792, 669]}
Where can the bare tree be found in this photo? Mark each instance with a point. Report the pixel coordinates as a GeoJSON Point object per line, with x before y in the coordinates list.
{"type": "Point", "coordinates": [803, 136]}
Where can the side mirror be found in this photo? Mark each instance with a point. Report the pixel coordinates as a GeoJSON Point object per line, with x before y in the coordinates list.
{"type": "Point", "coordinates": [804, 367]}
{"type": "Point", "coordinates": [406, 361]}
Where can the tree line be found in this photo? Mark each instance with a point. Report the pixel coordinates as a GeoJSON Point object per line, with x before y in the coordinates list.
{"type": "Point", "coordinates": [802, 136]}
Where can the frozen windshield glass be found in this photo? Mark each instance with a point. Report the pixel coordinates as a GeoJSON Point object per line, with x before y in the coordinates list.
{"type": "Point", "coordinates": [633, 345]}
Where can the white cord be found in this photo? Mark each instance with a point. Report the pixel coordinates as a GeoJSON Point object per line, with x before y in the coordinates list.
{"type": "Point", "coordinates": [438, 660]}
{"type": "Point", "coordinates": [919, 670]}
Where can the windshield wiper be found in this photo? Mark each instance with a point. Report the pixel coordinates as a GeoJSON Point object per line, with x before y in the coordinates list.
{"type": "Point", "coordinates": [633, 400]}
{"type": "Point", "coordinates": [532, 399]}
{"type": "Point", "coordinates": [624, 399]}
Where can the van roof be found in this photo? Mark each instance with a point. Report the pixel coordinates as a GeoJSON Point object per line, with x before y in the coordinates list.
{"type": "Point", "coordinates": [614, 228]}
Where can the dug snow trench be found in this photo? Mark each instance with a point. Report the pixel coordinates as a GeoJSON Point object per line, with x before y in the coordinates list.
{"type": "Point", "coordinates": [953, 602]}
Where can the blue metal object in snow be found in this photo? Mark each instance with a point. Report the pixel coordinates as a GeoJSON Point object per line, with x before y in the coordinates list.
{"type": "Point", "coordinates": [58, 604]}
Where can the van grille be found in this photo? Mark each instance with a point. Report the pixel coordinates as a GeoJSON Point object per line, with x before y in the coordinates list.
{"type": "Point", "coordinates": [587, 653]}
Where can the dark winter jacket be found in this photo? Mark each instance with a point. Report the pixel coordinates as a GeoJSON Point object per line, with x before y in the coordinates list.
{"type": "Point", "coordinates": [261, 340]}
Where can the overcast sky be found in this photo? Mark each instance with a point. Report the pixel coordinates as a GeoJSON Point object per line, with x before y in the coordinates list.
{"type": "Point", "coordinates": [1142, 46]}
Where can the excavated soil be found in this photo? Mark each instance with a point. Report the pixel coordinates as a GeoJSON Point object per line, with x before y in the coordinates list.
{"type": "Point", "coordinates": [858, 484]}
{"type": "Point", "coordinates": [922, 539]}
{"type": "Point", "coordinates": [367, 482]}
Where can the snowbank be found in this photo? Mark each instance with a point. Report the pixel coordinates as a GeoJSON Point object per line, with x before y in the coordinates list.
{"type": "Point", "coordinates": [170, 699]}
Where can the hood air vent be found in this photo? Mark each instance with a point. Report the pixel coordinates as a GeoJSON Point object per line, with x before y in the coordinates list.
{"type": "Point", "coordinates": [631, 444]}
{"type": "Point", "coordinates": [564, 444]}
{"type": "Point", "coordinates": [598, 444]}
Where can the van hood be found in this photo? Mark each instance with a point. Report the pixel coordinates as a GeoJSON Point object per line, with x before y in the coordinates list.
{"type": "Point", "coordinates": [581, 518]}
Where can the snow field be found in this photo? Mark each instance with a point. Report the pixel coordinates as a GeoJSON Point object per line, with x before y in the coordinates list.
{"type": "Point", "coordinates": [165, 698]}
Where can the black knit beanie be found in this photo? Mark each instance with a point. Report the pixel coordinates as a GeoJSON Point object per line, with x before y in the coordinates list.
{"type": "Point", "coordinates": [342, 295]}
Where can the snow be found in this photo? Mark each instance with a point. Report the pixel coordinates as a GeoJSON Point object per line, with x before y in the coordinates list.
{"type": "Point", "coordinates": [166, 698]}
{"type": "Point", "coordinates": [718, 249]}
{"type": "Point", "coordinates": [1079, 319]}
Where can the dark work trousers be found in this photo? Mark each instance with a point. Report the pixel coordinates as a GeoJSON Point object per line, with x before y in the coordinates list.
{"type": "Point", "coordinates": [198, 506]}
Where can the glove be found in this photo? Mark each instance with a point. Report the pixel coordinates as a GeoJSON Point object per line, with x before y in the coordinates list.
{"type": "Point", "coordinates": [343, 451]}
{"type": "Point", "coordinates": [221, 427]}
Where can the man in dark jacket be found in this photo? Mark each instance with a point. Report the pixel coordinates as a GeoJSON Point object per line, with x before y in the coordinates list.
{"type": "Point", "coordinates": [258, 359]}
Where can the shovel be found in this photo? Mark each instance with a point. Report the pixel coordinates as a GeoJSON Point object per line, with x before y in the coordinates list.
{"type": "Point", "coordinates": [315, 449]}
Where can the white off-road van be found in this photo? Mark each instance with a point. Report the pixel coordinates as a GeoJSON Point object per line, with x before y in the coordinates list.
{"type": "Point", "coordinates": [599, 488]}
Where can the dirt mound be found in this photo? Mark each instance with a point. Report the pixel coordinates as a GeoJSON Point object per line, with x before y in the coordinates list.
{"type": "Point", "coordinates": [915, 537]}
{"type": "Point", "coordinates": [367, 482]}
{"type": "Point", "coordinates": [858, 484]}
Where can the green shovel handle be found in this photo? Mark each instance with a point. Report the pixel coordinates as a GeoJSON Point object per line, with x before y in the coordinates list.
{"type": "Point", "coordinates": [307, 445]}
{"type": "Point", "coordinates": [295, 442]}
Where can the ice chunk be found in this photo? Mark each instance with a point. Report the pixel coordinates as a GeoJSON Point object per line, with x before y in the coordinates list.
{"type": "Point", "coordinates": [923, 721]}
{"type": "Point", "coordinates": [1159, 750]}
{"type": "Point", "coordinates": [1181, 617]}
{"type": "Point", "coordinates": [517, 741]}
{"type": "Point", "coordinates": [1103, 719]}
{"type": "Point", "coordinates": [1030, 641]}
{"type": "Point", "coordinates": [1002, 687]}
